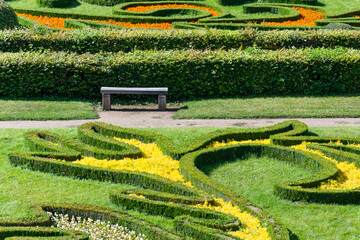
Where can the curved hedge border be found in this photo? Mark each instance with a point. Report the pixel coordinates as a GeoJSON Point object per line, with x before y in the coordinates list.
{"type": "Point", "coordinates": [355, 22]}
{"type": "Point", "coordinates": [54, 3]}
{"type": "Point", "coordinates": [98, 134]}
{"type": "Point", "coordinates": [155, 16]}
{"type": "Point", "coordinates": [219, 73]}
{"type": "Point", "coordinates": [287, 14]}
{"type": "Point", "coordinates": [190, 166]}
{"type": "Point", "coordinates": [239, 26]}
{"type": "Point", "coordinates": [115, 2]}
{"type": "Point", "coordinates": [83, 211]}
{"type": "Point", "coordinates": [107, 40]}
{"type": "Point", "coordinates": [197, 223]}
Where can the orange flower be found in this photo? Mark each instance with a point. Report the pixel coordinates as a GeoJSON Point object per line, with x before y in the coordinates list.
{"type": "Point", "coordinates": [137, 25]}
{"type": "Point", "coordinates": [308, 18]}
{"type": "Point", "coordinates": [357, 16]}
{"type": "Point", "coordinates": [54, 22]}
{"type": "Point", "coordinates": [59, 22]}
{"type": "Point", "coordinates": [151, 7]}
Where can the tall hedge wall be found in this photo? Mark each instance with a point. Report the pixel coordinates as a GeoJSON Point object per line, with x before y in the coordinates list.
{"type": "Point", "coordinates": [188, 74]}
{"type": "Point", "coordinates": [108, 40]}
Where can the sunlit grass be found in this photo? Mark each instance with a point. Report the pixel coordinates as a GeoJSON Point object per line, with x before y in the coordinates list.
{"type": "Point", "coordinates": [45, 110]}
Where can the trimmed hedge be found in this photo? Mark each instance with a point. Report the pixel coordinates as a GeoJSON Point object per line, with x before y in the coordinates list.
{"type": "Point", "coordinates": [115, 2]}
{"type": "Point", "coordinates": [17, 233]}
{"type": "Point", "coordinates": [109, 40]}
{"type": "Point", "coordinates": [8, 19]}
{"type": "Point", "coordinates": [188, 221]}
{"type": "Point", "coordinates": [303, 2]}
{"type": "Point", "coordinates": [101, 134]}
{"type": "Point", "coordinates": [301, 190]}
{"type": "Point", "coordinates": [164, 15]}
{"type": "Point", "coordinates": [239, 26]}
{"type": "Point", "coordinates": [54, 3]}
{"type": "Point", "coordinates": [287, 14]}
{"type": "Point", "coordinates": [295, 140]}
{"type": "Point", "coordinates": [188, 74]}
{"type": "Point", "coordinates": [51, 142]}
{"type": "Point", "coordinates": [84, 211]}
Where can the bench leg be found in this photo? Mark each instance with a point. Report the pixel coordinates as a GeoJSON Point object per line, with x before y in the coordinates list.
{"type": "Point", "coordinates": [106, 102]}
{"type": "Point", "coordinates": [162, 102]}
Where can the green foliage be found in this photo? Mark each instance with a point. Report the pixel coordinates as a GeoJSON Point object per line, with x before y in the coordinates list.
{"type": "Point", "coordinates": [110, 40]}
{"type": "Point", "coordinates": [188, 221]}
{"type": "Point", "coordinates": [283, 14]}
{"type": "Point", "coordinates": [8, 18]}
{"type": "Point", "coordinates": [54, 3]}
{"type": "Point", "coordinates": [218, 73]}
{"type": "Point", "coordinates": [338, 26]}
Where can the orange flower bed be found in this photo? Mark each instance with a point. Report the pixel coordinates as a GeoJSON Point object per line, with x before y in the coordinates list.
{"type": "Point", "coordinates": [151, 7]}
{"type": "Point", "coordinates": [357, 16]}
{"type": "Point", "coordinates": [59, 22]}
{"type": "Point", "coordinates": [138, 25]}
{"type": "Point", "coordinates": [308, 18]}
{"type": "Point", "coordinates": [54, 22]}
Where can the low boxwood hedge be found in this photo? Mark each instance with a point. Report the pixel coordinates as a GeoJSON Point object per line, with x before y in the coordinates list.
{"type": "Point", "coordinates": [301, 190]}
{"type": "Point", "coordinates": [160, 196]}
{"type": "Point", "coordinates": [32, 229]}
{"type": "Point", "coordinates": [54, 3]}
{"type": "Point", "coordinates": [101, 134]}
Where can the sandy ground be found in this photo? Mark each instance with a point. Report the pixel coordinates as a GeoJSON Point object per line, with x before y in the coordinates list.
{"type": "Point", "coordinates": [149, 116]}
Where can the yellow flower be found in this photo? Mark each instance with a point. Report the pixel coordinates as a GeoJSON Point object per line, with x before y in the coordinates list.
{"type": "Point", "coordinates": [153, 162]}
{"type": "Point", "coordinates": [252, 229]}
{"type": "Point", "coordinates": [349, 174]}
{"type": "Point", "coordinates": [233, 142]}
{"type": "Point", "coordinates": [137, 196]}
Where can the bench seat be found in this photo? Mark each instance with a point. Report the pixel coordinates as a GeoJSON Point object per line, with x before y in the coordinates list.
{"type": "Point", "coordinates": [107, 91]}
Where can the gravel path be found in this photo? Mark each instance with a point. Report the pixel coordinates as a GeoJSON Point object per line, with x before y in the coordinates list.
{"type": "Point", "coordinates": [150, 117]}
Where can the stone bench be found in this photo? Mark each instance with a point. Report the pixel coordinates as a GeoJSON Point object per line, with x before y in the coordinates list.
{"type": "Point", "coordinates": [107, 91]}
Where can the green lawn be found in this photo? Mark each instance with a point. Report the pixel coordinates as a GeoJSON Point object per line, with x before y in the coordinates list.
{"type": "Point", "coordinates": [20, 188]}
{"type": "Point", "coordinates": [254, 178]}
{"type": "Point", "coordinates": [45, 110]}
{"type": "Point", "coordinates": [271, 107]}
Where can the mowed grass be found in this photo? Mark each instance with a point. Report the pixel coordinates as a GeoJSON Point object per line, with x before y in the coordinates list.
{"type": "Point", "coordinates": [254, 178]}
{"type": "Point", "coordinates": [45, 110]}
{"type": "Point", "coordinates": [20, 188]}
{"type": "Point", "coordinates": [271, 107]}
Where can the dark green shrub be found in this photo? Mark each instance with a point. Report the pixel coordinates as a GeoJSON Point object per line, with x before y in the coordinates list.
{"type": "Point", "coordinates": [339, 26]}
{"type": "Point", "coordinates": [54, 3]}
{"type": "Point", "coordinates": [8, 17]}
{"type": "Point", "coordinates": [218, 73]}
{"type": "Point", "coordinates": [110, 40]}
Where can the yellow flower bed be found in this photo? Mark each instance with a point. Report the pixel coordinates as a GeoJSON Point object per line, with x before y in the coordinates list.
{"type": "Point", "coordinates": [252, 229]}
{"type": "Point", "coordinates": [153, 162]}
{"type": "Point", "coordinates": [233, 142]}
{"type": "Point", "coordinates": [349, 174]}
{"type": "Point", "coordinates": [137, 196]}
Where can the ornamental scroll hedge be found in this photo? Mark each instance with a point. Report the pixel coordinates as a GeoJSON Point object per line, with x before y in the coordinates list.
{"type": "Point", "coordinates": [161, 196]}
{"type": "Point", "coordinates": [189, 74]}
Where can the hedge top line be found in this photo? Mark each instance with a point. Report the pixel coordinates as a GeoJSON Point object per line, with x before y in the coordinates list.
{"type": "Point", "coordinates": [110, 40]}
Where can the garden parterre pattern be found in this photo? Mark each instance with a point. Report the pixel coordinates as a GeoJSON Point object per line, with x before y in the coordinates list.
{"type": "Point", "coordinates": [173, 184]}
{"type": "Point", "coordinates": [196, 14]}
